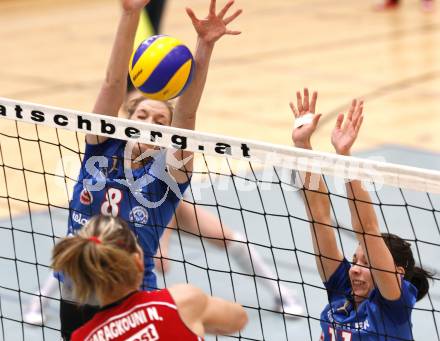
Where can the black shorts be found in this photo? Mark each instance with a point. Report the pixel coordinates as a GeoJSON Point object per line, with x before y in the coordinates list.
{"type": "Point", "coordinates": [73, 316]}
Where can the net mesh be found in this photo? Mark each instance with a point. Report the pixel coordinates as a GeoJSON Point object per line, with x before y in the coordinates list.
{"type": "Point", "coordinates": [266, 263]}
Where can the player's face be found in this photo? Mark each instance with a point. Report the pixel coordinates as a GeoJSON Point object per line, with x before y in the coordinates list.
{"type": "Point", "coordinates": [360, 276]}
{"type": "Point", "coordinates": [154, 112]}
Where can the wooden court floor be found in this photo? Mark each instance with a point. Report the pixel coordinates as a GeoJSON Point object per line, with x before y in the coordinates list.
{"type": "Point", "coordinates": [54, 52]}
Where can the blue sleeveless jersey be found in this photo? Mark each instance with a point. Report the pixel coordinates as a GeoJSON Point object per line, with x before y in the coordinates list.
{"type": "Point", "coordinates": [145, 200]}
{"type": "Point", "coordinates": [376, 318]}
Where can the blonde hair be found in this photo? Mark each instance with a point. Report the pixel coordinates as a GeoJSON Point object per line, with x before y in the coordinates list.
{"type": "Point", "coordinates": [98, 259]}
{"type": "Point", "coordinates": [131, 105]}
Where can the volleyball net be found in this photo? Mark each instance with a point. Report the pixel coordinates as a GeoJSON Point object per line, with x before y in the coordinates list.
{"type": "Point", "coordinates": [253, 190]}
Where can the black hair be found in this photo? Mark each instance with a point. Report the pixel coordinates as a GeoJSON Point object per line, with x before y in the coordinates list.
{"type": "Point", "coordinates": [402, 255]}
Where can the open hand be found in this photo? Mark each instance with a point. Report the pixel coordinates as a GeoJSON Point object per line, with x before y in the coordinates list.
{"type": "Point", "coordinates": [345, 132]}
{"type": "Point", "coordinates": [214, 26]}
{"type": "Point", "coordinates": [301, 135]}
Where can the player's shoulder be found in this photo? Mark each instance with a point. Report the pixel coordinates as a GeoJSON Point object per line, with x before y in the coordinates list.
{"type": "Point", "coordinates": [81, 333]}
{"type": "Point", "coordinates": [157, 298]}
{"type": "Point", "coordinates": [98, 321]}
{"type": "Point", "coordinates": [162, 295]}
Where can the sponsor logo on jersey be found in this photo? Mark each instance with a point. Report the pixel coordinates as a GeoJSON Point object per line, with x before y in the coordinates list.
{"type": "Point", "coordinates": [139, 216]}
{"type": "Point", "coordinates": [86, 197]}
{"type": "Point", "coordinates": [78, 218]}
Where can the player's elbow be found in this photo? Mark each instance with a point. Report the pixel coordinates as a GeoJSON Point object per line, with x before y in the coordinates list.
{"type": "Point", "coordinates": [241, 318]}
{"type": "Point", "coordinates": [237, 320]}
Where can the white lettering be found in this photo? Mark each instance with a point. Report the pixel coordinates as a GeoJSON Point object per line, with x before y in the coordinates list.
{"type": "Point", "coordinates": [115, 331]}
{"type": "Point", "coordinates": [149, 333]}
{"type": "Point", "coordinates": [108, 334]}
{"type": "Point", "coordinates": [101, 335]}
{"type": "Point", "coordinates": [153, 315]}
{"type": "Point", "coordinates": [119, 325]}
{"type": "Point", "coordinates": [78, 218]}
{"type": "Point", "coordinates": [125, 324]}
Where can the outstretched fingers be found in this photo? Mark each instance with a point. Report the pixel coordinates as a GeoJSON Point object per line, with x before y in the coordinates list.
{"type": "Point", "coordinates": [357, 114]}
{"type": "Point", "coordinates": [295, 112]}
{"type": "Point", "coordinates": [233, 33]}
{"type": "Point", "coordinates": [339, 121]}
{"type": "Point", "coordinates": [316, 120]}
{"type": "Point", "coordinates": [352, 109]}
{"type": "Point", "coordinates": [191, 15]}
{"type": "Point", "coordinates": [305, 105]}
{"type": "Point", "coordinates": [313, 102]}
{"type": "Point", "coordinates": [212, 7]}
{"type": "Point", "coordinates": [231, 18]}
{"type": "Point", "coordinates": [222, 13]}
{"type": "Point", "coordinates": [359, 109]}
{"type": "Point", "coordinates": [299, 104]}
{"type": "Point", "coordinates": [359, 117]}
{"type": "Point", "coordinates": [358, 124]}
{"type": "Point", "coordinates": [306, 100]}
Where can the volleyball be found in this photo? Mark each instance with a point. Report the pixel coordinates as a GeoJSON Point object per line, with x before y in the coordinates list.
{"type": "Point", "coordinates": [161, 67]}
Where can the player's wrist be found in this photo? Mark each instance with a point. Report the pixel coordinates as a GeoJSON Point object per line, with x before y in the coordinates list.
{"type": "Point", "coordinates": [206, 43]}
{"type": "Point", "coordinates": [306, 144]}
{"type": "Point", "coordinates": [131, 12]}
{"type": "Point", "coordinates": [344, 152]}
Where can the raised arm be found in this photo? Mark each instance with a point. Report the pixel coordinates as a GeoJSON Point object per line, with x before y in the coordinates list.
{"type": "Point", "coordinates": [112, 92]}
{"type": "Point", "coordinates": [209, 31]}
{"type": "Point", "coordinates": [316, 199]}
{"type": "Point", "coordinates": [363, 217]}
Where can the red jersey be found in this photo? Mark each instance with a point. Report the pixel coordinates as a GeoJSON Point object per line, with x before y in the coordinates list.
{"type": "Point", "coordinates": [142, 316]}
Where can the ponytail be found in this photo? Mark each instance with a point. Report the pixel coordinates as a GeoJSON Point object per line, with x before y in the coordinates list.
{"type": "Point", "coordinates": [420, 279]}
{"type": "Point", "coordinates": [99, 258]}
{"type": "Point", "coordinates": [403, 256]}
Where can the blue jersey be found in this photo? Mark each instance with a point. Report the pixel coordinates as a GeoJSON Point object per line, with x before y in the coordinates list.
{"type": "Point", "coordinates": [145, 199]}
{"type": "Point", "coordinates": [376, 319]}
